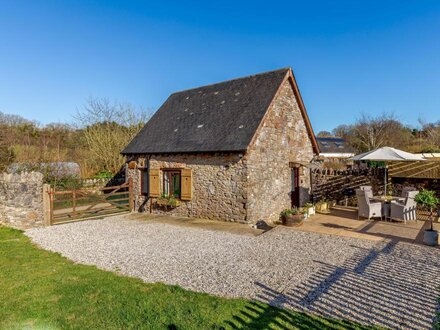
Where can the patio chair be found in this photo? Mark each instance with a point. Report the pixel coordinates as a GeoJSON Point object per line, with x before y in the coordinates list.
{"type": "Point", "coordinates": [405, 210]}
{"type": "Point", "coordinates": [366, 208]}
{"type": "Point", "coordinates": [404, 194]}
{"type": "Point", "coordinates": [368, 190]}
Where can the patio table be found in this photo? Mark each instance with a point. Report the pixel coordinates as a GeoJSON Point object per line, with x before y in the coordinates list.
{"type": "Point", "coordinates": [386, 204]}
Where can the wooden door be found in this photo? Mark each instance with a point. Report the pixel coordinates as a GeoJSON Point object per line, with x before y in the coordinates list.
{"type": "Point", "coordinates": [294, 193]}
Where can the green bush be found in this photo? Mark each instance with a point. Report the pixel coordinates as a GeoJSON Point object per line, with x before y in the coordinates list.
{"type": "Point", "coordinates": [292, 211]}
{"type": "Point", "coordinates": [103, 175]}
{"type": "Point", "coordinates": [65, 183]}
{"type": "Point", "coordinates": [427, 199]}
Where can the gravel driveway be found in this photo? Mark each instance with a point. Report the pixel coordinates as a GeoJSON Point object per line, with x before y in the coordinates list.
{"type": "Point", "coordinates": [387, 283]}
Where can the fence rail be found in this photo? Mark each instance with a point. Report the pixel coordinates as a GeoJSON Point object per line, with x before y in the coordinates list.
{"type": "Point", "coordinates": [87, 203]}
{"type": "Point", "coordinates": [422, 170]}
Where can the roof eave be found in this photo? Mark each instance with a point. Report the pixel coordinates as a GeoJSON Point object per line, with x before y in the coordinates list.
{"type": "Point", "coordinates": [183, 152]}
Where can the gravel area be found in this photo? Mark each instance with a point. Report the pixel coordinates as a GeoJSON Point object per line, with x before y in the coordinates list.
{"type": "Point", "coordinates": [387, 283]}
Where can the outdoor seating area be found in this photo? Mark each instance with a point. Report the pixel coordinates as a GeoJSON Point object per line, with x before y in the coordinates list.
{"type": "Point", "coordinates": [377, 211]}
{"type": "Point", "coordinates": [398, 208]}
{"type": "Point", "coordinates": [371, 206]}
{"type": "Point", "coordinates": [343, 221]}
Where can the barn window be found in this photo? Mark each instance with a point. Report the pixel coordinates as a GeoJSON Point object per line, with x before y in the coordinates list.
{"type": "Point", "coordinates": [171, 182]}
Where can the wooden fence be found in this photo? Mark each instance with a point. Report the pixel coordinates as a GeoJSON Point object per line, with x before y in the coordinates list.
{"type": "Point", "coordinates": [418, 170]}
{"type": "Point", "coordinates": [87, 203]}
{"type": "Point", "coordinates": [337, 185]}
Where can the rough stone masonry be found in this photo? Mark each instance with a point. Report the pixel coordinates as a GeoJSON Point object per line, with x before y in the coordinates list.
{"type": "Point", "coordinates": [21, 200]}
{"type": "Point", "coordinates": [242, 187]}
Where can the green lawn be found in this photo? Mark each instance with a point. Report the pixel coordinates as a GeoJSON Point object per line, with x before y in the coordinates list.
{"type": "Point", "coordinates": [42, 290]}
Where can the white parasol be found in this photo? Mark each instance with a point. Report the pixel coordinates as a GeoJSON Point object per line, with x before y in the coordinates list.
{"type": "Point", "coordinates": [387, 154]}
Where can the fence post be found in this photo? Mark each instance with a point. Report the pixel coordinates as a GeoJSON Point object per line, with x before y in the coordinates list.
{"type": "Point", "coordinates": [130, 194]}
{"type": "Point", "coordinates": [46, 204]}
{"type": "Point", "coordinates": [74, 203]}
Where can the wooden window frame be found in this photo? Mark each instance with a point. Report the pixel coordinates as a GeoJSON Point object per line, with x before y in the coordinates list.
{"type": "Point", "coordinates": [170, 171]}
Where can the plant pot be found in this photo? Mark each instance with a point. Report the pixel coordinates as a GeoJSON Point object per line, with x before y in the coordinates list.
{"type": "Point", "coordinates": [322, 207]}
{"type": "Point", "coordinates": [430, 237]}
{"type": "Point", "coordinates": [293, 220]}
{"type": "Point", "coordinates": [311, 211]}
{"type": "Point", "coordinates": [166, 203]}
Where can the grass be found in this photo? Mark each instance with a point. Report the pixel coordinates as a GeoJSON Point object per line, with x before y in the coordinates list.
{"type": "Point", "coordinates": [42, 290]}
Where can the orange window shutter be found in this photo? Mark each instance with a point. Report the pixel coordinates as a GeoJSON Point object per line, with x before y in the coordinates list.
{"type": "Point", "coordinates": [154, 183]}
{"type": "Point", "coordinates": [186, 185]}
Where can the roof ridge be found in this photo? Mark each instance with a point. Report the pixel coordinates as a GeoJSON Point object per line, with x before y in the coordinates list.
{"type": "Point", "coordinates": [230, 80]}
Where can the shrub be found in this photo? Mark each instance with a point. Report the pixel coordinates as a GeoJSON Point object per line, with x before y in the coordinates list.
{"type": "Point", "coordinates": [427, 199]}
{"type": "Point", "coordinates": [103, 175]}
{"type": "Point", "coordinates": [292, 211]}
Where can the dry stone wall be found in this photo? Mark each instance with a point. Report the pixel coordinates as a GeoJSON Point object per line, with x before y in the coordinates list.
{"type": "Point", "coordinates": [21, 200]}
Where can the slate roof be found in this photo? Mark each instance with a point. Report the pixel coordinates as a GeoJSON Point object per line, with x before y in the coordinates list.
{"type": "Point", "coordinates": [213, 118]}
{"type": "Point", "coordinates": [334, 145]}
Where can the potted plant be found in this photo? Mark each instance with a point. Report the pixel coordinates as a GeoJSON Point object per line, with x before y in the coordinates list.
{"type": "Point", "coordinates": [168, 200]}
{"type": "Point", "coordinates": [292, 217]}
{"type": "Point", "coordinates": [322, 206]}
{"type": "Point", "coordinates": [390, 193]}
{"type": "Point", "coordinates": [305, 213]}
{"type": "Point", "coordinates": [428, 201]}
{"type": "Point", "coordinates": [310, 209]}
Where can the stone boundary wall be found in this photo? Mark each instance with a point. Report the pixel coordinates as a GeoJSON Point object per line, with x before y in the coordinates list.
{"type": "Point", "coordinates": [21, 200]}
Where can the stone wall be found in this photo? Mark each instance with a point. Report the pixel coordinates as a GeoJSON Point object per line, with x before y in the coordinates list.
{"type": "Point", "coordinates": [283, 138]}
{"type": "Point", "coordinates": [242, 187]}
{"type": "Point", "coordinates": [219, 185]}
{"type": "Point", "coordinates": [21, 200]}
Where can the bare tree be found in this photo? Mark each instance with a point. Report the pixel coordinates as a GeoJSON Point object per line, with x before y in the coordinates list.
{"type": "Point", "coordinates": [373, 132]}
{"type": "Point", "coordinates": [431, 132]}
{"type": "Point", "coordinates": [7, 155]}
{"type": "Point", "coordinates": [344, 131]}
{"type": "Point", "coordinates": [107, 128]}
{"type": "Point", "coordinates": [369, 133]}
{"type": "Point", "coordinates": [324, 134]}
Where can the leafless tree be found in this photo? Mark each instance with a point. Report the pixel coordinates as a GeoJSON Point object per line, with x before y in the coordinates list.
{"type": "Point", "coordinates": [7, 155]}
{"type": "Point", "coordinates": [324, 134]}
{"type": "Point", "coordinates": [431, 131]}
{"type": "Point", "coordinates": [107, 128]}
{"type": "Point", "coordinates": [369, 133]}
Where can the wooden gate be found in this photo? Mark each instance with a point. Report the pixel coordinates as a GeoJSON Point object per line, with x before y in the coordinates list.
{"type": "Point", "coordinates": [81, 204]}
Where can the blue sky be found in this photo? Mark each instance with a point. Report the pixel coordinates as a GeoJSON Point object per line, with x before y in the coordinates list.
{"type": "Point", "coordinates": [349, 57]}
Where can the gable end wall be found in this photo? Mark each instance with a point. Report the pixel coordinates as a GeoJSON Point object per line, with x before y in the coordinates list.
{"type": "Point", "coordinates": [282, 138]}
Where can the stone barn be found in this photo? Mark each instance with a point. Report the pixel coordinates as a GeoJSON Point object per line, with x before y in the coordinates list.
{"type": "Point", "coordinates": [236, 151]}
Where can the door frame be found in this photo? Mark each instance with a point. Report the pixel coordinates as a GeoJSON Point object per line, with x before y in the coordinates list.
{"type": "Point", "coordinates": [294, 186]}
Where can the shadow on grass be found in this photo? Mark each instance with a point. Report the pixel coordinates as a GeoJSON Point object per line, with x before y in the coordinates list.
{"type": "Point", "coordinates": [256, 315]}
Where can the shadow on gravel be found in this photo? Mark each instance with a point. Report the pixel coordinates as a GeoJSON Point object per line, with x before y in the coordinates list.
{"type": "Point", "coordinates": [395, 286]}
